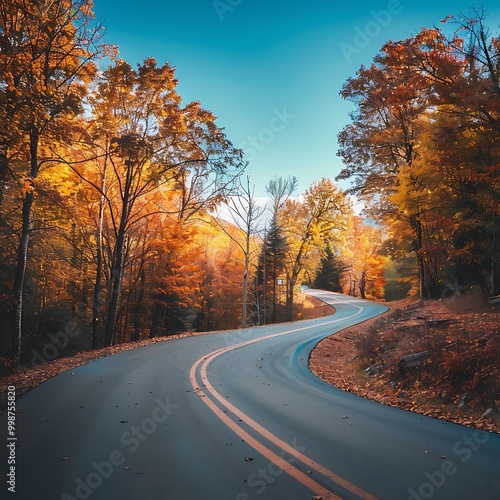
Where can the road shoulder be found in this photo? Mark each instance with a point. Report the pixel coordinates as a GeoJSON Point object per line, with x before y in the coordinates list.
{"type": "Point", "coordinates": [441, 386]}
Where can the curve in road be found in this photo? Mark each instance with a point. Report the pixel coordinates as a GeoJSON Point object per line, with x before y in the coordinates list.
{"type": "Point", "coordinates": [238, 416]}
{"type": "Point", "coordinates": [200, 367]}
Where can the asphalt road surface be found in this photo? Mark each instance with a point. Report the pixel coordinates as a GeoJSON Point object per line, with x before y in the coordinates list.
{"type": "Point", "coordinates": [236, 416]}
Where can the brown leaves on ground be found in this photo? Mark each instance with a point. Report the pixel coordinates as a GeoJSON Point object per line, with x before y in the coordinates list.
{"type": "Point", "coordinates": [459, 380]}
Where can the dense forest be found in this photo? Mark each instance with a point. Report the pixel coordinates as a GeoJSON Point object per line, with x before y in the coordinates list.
{"type": "Point", "coordinates": [126, 214]}
{"type": "Point", "coordinates": [423, 151]}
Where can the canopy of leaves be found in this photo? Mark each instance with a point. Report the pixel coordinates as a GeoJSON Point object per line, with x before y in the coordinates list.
{"type": "Point", "coordinates": [423, 149]}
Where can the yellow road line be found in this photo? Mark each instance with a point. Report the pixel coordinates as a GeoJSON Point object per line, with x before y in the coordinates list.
{"type": "Point", "coordinates": [271, 456]}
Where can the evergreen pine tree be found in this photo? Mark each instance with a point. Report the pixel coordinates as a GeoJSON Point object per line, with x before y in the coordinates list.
{"type": "Point", "coordinates": [330, 271]}
{"type": "Point", "coordinates": [271, 265]}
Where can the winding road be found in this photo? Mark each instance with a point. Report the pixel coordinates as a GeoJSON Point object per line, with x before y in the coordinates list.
{"type": "Point", "coordinates": [237, 416]}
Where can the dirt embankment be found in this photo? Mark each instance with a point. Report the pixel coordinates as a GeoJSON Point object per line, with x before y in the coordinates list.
{"type": "Point", "coordinates": [433, 358]}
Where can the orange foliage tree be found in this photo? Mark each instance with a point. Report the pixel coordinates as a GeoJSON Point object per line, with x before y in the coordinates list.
{"type": "Point", "coordinates": [423, 148]}
{"type": "Point", "coordinates": [46, 60]}
{"type": "Point", "coordinates": [307, 224]}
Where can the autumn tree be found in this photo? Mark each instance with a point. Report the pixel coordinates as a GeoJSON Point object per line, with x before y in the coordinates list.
{"type": "Point", "coordinates": [423, 147]}
{"type": "Point", "coordinates": [131, 107]}
{"type": "Point", "coordinates": [365, 264]}
{"type": "Point", "coordinates": [46, 60]}
{"type": "Point", "coordinates": [152, 141]}
{"type": "Point", "coordinates": [219, 259]}
{"type": "Point", "coordinates": [199, 184]}
{"type": "Point", "coordinates": [474, 102]}
{"type": "Point", "coordinates": [383, 136]}
{"type": "Point", "coordinates": [245, 214]}
{"type": "Point", "coordinates": [462, 141]}
{"type": "Point", "coordinates": [176, 278]}
{"type": "Point", "coordinates": [308, 224]}
{"type": "Point", "coordinates": [272, 258]}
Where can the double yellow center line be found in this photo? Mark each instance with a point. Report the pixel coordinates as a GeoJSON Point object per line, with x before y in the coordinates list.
{"type": "Point", "coordinates": [208, 390]}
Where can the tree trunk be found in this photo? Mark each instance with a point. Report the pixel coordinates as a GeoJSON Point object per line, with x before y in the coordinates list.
{"type": "Point", "coordinates": [421, 277]}
{"type": "Point", "coordinates": [98, 278]}
{"type": "Point", "coordinates": [419, 243]}
{"type": "Point", "coordinates": [245, 277]}
{"type": "Point", "coordinates": [158, 310]}
{"type": "Point", "coordinates": [290, 298]}
{"type": "Point", "coordinates": [155, 323]}
{"type": "Point", "coordinates": [244, 298]}
{"type": "Point", "coordinates": [22, 254]}
{"type": "Point", "coordinates": [275, 278]}
{"type": "Point", "coordinates": [495, 285]}
{"type": "Point", "coordinates": [116, 280]}
{"type": "Point", "coordinates": [362, 285]}
{"type": "Point", "coordinates": [22, 257]}
{"type": "Point", "coordinates": [138, 309]}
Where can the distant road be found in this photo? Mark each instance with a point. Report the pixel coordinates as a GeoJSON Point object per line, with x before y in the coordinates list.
{"type": "Point", "coordinates": [237, 416]}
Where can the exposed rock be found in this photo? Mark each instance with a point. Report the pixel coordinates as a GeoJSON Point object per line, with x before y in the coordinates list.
{"type": "Point", "coordinates": [412, 361]}
{"type": "Point", "coordinates": [373, 370]}
{"type": "Point", "coordinates": [489, 413]}
{"type": "Point", "coordinates": [463, 401]}
{"type": "Point", "coordinates": [439, 322]}
{"type": "Point", "coordinates": [495, 300]}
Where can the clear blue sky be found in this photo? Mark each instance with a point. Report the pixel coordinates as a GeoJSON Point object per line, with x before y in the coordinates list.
{"type": "Point", "coordinates": [271, 70]}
